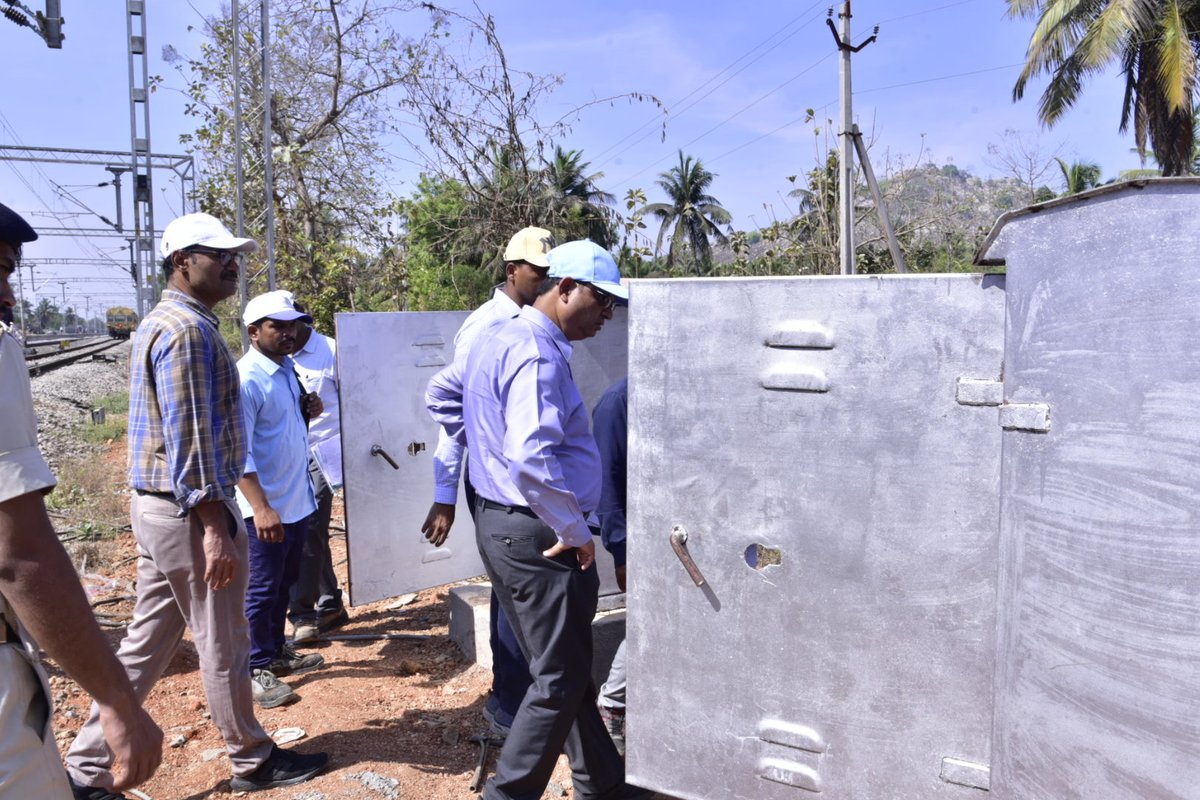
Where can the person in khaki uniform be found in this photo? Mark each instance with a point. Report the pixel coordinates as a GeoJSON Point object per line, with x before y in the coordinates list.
{"type": "Point", "coordinates": [41, 600]}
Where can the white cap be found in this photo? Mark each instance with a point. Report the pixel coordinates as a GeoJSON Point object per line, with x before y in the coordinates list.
{"type": "Point", "coordinates": [204, 230]}
{"type": "Point", "coordinates": [277, 305]}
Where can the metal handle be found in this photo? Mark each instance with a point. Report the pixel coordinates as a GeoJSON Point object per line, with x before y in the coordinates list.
{"type": "Point", "coordinates": [679, 539]}
{"type": "Point", "coordinates": [376, 450]}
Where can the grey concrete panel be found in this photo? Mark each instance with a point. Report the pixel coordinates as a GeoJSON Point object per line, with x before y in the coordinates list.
{"type": "Point", "coordinates": [385, 361]}
{"type": "Point", "coordinates": [1097, 691]}
{"type": "Point", "coordinates": [813, 422]}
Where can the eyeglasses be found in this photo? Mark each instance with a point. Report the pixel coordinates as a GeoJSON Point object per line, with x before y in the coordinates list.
{"type": "Point", "coordinates": [222, 257]}
{"type": "Point", "coordinates": [608, 301]}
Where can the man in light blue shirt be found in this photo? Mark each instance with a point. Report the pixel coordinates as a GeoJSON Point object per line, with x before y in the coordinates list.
{"type": "Point", "coordinates": [275, 495]}
{"type": "Point", "coordinates": [536, 471]}
{"type": "Point", "coordinates": [525, 268]}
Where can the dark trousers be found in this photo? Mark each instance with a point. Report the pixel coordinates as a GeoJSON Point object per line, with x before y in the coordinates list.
{"type": "Point", "coordinates": [510, 670]}
{"type": "Point", "coordinates": [550, 603]}
{"type": "Point", "coordinates": [273, 570]}
{"type": "Point", "coordinates": [315, 594]}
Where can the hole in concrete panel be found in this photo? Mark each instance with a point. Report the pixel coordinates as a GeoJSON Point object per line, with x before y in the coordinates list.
{"type": "Point", "coordinates": [759, 556]}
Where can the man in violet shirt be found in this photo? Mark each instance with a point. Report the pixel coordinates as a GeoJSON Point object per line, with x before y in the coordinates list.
{"type": "Point", "coordinates": [536, 472]}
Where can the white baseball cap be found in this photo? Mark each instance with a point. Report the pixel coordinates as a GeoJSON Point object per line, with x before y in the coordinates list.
{"type": "Point", "coordinates": [204, 230]}
{"type": "Point", "coordinates": [586, 261]}
{"type": "Point", "coordinates": [277, 305]}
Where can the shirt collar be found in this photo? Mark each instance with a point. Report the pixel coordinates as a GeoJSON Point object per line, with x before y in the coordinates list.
{"type": "Point", "coordinates": [501, 297]}
{"type": "Point", "coordinates": [176, 296]}
{"type": "Point", "coordinates": [540, 320]}
{"type": "Point", "coordinates": [255, 358]}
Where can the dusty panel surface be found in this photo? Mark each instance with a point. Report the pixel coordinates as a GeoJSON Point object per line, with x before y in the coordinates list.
{"type": "Point", "coordinates": [385, 361]}
{"type": "Point", "coordinates": [1097, 695]}
{"type": "Point", "coordinates": [813, 422]}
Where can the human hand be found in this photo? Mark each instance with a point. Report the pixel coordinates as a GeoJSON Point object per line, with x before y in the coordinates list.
{"type": "Point", "coordinates": [620, 577]}
{"type": "Point", "coordinates": [268, 525]}
{"type": "Point", "coordinates": [438, 522]}
{"type": "Point", "coordinates": [315, 407]}
{"type": "Point", "coordinates": [220, 558]}
{"type": "Point", "coordinates": [136, 742]}
{"type": "Point", "coordinates": [585, 554]}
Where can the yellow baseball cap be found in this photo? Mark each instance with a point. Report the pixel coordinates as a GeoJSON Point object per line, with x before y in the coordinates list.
{"type": "Point", "coordinates": [530, 245]}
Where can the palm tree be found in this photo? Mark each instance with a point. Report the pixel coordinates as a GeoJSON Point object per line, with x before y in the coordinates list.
{"type": "Point", "coordinates": [695, 213]}
{"type": "Point", "coordinates": [1153, 40]}
{"type": "Point", "coordinates": [573, 196]}
{"type": "Point", "coordinates": [1079, 176]}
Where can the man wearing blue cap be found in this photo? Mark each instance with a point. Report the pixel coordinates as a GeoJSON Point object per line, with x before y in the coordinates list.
{"type": "Point", "coordinates": [41, 599]}
{"type": "Point", "coordinates": [536, 472]}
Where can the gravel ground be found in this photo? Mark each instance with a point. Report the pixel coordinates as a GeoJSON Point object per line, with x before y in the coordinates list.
{"type": "Point", "coordinates": [58, 400]}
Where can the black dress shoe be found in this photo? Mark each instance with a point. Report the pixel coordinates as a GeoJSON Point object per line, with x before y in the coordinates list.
{"type": "Point", "coordinates": [282, 768]}
{"type": "Point", "coordinates": [93, 792]}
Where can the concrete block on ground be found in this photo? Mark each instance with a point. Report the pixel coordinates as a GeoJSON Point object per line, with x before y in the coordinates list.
{"type": "Point", "coordinates": [470, 622]}
{"type": "Point", "coordinates": [470, 625]}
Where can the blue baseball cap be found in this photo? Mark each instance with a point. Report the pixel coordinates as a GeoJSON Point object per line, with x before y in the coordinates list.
{"type": "Point", "coordinates": [587, 262]}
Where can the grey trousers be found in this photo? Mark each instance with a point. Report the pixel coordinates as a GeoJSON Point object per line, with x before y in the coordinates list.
{"type": "Point", "coordinates": [315, 594]}
{"type": "Point", "coordinates": [612, 693]}
{"type": "Point", "coordinates": [172, 594]}
{"type": "Point", "coordinates": [550, 604]}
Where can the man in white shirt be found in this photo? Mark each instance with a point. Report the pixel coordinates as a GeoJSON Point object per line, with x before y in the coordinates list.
{"type": "Point", "coordinates": [525, 267]}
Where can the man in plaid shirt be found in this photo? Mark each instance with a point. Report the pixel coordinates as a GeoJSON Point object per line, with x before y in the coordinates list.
{"type": "Point", "coordinates": [187, 449]}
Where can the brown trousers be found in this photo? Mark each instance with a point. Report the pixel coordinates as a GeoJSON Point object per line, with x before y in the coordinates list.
{"type": "Point", "coordinates": [172, 594]}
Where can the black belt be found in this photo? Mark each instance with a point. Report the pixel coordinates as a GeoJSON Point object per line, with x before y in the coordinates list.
{"type": "Point", "coordinates": [526, 510]}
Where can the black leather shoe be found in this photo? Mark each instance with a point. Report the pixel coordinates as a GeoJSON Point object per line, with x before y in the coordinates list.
{"type": "Point", "coordinates": [93, 793]}
{"type": "Point", "coordinates": [282, 768]}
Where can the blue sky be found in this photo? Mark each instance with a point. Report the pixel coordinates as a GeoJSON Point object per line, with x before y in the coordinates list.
{"type": "Point", "coordinates": [736, 78]}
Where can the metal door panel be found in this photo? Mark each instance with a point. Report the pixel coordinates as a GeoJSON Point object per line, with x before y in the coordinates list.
{"type": "Point", "coordinates": [385, 361]}
{"type": "Point", "coordinates": [816, 417]}
{"type": "Point", "coordinates": [1097, 695]}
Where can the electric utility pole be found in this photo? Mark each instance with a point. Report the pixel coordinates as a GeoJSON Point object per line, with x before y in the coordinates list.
{"type": "Point", "coordinates": [846, 137]}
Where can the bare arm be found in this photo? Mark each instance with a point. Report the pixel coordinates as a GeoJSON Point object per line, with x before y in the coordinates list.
{"type": "Point", "coordinates": [266, 521]}
{"type": "Point", "coordinates": [39, 582]}
{"type": "Point", "coordinates": [220, 555]}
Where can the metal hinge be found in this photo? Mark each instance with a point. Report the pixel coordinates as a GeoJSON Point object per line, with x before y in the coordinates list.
{"type": "Point", "coordinates": [1031, 417]}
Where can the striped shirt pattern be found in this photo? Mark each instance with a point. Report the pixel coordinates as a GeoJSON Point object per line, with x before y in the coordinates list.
{"type": "Point", "coordinates": [186, 433]}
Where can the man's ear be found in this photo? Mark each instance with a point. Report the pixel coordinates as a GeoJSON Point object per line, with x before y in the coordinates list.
{"type": "Point", "coordinates": [565, 285]}
{"type": "Point", "coordinates": [181, 261]}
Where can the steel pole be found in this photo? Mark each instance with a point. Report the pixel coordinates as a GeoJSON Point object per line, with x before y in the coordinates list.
{"type": "Point", "coordinates": [239, 202]}
{"type": "Point", "coordinates": [268, 167]}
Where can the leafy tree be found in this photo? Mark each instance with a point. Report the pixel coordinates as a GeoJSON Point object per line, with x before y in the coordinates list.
{"type": "Point", "coordinates": [575, 202]}
{"type": "Point", "coordinates": [46, 315]}
{"type": "Point", "coordinates": [1079, 176]}
{"type": "Point", "coordinates": [1155, 43]}
{"type": "Point", "coordinates": [694, 213]}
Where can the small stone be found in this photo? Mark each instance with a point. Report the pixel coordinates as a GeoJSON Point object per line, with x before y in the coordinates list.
{"type": "Point", "coordinates": [450, 736]}
{"type": "Point", "coordinates": [408, 667]}
{"type": "Point", "coordinates": [401, 602]}
{"type": "Point", "coordinates": [554, 789]}
{"type": "Point", "coordinates": [179, 741]}
{"type": "Point", "coordinates": [213, 754]}
{"type": "Point", "coordinates": [388, 787]}
{"type": "Point", "coordinates": [447, 690]}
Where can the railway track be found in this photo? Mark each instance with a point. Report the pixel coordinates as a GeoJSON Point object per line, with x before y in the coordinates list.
{"type": "Point", "coordinates": [45, 361]}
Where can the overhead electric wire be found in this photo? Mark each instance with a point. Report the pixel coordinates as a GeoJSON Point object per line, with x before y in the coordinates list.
{"type": "Point", "coordinates": [652, 123]}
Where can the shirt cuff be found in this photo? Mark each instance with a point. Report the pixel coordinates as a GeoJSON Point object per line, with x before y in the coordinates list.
{"type": "Point", "coordinates": [576, 534]}
{"type": "Point", "coordinates": [446, 494]}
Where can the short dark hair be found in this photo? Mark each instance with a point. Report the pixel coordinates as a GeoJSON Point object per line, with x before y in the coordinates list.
{"type": "Point", "coordinates": [168, 267]}
{"type": "Point", "coordinates": [546, 285]}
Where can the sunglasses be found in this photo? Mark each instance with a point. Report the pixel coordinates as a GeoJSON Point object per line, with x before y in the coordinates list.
{"type": "Point", "coordinates": [608, 301]}
{"type": "Point", "coordinates": [222, 257]}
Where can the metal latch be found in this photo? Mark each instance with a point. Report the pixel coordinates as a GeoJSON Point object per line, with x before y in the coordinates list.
{"type": "Point", "coordinates": [679, 539]}
{"type": "Point", "coordinates": [376, 450]}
